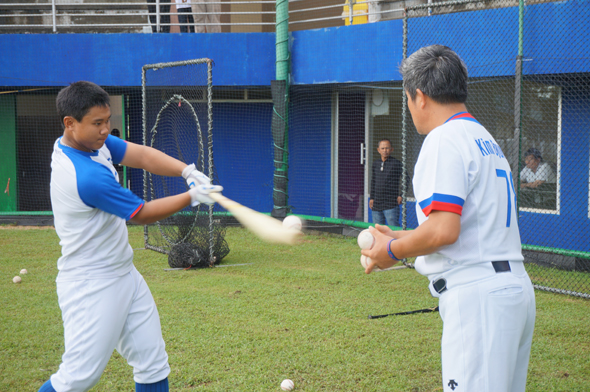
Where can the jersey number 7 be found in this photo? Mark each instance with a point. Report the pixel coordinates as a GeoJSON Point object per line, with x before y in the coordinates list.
{"type": "Point", "coordinates": [509, 184]}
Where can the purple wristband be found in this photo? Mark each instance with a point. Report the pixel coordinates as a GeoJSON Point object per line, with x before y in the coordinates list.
{"type": "Point", "coordinates": [389, 250]}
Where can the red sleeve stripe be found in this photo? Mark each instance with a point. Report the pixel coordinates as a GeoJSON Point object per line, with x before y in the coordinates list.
{"type": "Point", "coordinates": [137, 210]}
{"type": "Point", "coordinates": [442, 206]}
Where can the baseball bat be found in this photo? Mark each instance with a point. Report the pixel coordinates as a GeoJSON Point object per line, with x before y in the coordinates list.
{"type": "Point", "coordinates": [427, 310]}
{"type": "Point", "coordinates": [265, 227]}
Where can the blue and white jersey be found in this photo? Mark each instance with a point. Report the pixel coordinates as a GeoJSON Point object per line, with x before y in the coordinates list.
{"type": "Point", "coordinates": [90, 210]}
{"type": "Point", "coordinates": [462, 169]}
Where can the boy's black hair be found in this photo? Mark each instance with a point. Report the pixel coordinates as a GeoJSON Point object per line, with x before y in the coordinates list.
{"type": "Point", "coordinates": [78, 98]}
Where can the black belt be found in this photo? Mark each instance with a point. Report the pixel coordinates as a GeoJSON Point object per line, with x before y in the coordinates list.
{"type": "Point", "coordinates": [440, 285]}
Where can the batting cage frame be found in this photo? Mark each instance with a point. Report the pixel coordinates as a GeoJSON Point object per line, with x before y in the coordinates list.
{"type": "Point", "coordinates": [193, 237]}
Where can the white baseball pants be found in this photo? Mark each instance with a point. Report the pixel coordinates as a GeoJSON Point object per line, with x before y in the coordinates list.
{"type": "Point", "coordinates": [487, 333]}
{"type": "Point", "coordinates": [101, 315]}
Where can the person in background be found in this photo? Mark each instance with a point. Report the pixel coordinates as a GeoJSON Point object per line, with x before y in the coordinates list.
{"type": "Point", "coordinates": [185, 16]}
{"type": "Point", "coordinates": [536, 171]}
{"type": "Point", "coordinates": [164, 19]}
{"type": "Point", "coordinates": [207, 12]}
{"type": "Point", "coordinates": [386, 176]}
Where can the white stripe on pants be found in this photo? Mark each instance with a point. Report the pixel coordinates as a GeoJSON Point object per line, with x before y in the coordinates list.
{"type": "Point", "coordinates": [101, 315]}
{"type": "Point", "coordinates": [487, 333]}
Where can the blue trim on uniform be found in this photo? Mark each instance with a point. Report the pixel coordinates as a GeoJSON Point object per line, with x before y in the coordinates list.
{"type": "Point", "coordinates": [160, 386]}
{"type": "Point", "coordinates": [443, 199]}
{"type": "Point", "coordinates": [47, 387]}
{"type": "Point", "coordinates": [117, 147]}
{"type": "Point", "coordinates": [442, 202]}
{"type": "Point", "coordinates": [97, 185]}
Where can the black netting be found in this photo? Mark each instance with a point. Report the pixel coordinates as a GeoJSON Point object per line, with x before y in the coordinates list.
{"type": "Point", "coordinates": [528, 87]}
{"type": "Point", "coordinates": [177, 104]}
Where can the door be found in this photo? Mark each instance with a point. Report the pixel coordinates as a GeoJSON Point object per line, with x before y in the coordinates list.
{"type": "Point", "coordinates": [350, 162]}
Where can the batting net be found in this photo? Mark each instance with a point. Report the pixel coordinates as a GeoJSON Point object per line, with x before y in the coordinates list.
{"type": "Point", "coordinates": [526, 87]}
{"type": "Point", "coordinates": [178, 118]}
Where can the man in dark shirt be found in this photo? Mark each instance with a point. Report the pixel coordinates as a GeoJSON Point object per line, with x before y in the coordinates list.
{"type": "Point", "coordinates": [385, 196]}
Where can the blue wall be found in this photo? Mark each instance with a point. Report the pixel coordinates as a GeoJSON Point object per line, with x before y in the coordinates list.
{"type": "Point", "coordinates": [245, 59]}
{"type": "Point", "coordinates": [359, 53]}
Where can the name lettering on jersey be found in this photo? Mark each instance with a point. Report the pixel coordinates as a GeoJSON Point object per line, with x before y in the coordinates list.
{"type": "Point", "coordinates": [488, 147]}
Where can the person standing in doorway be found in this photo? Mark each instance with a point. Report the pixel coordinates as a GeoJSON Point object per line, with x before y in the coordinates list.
{"type": "Point", "coordinates": [386, 175]}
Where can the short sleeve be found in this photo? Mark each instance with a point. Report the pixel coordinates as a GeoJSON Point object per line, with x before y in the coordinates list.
{"type": "Point", "coordinates": [99, 189]}
{"type": "Point", "coordinates": [441, 175]}
{"type": "Point", "coordinates": [117, 147]}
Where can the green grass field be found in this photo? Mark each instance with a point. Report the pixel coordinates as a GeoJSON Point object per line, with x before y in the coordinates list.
{"type": "Point", "coordinates": [296, 312]}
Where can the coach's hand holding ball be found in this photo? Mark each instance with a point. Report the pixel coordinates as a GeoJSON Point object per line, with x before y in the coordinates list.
{"type": "Point", "coordinates": [378, 257]}
{"type": "Point", "coordinates": [366, 241]}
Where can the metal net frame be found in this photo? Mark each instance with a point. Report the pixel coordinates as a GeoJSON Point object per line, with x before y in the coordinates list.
{"type": "Point", "coordinates": [179, 93]}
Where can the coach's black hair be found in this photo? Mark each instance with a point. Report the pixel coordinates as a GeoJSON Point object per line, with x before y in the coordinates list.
{"type": "Point", "coordinates": [78, 98]}
{"type": "Point", "coordinates": [438, 72]}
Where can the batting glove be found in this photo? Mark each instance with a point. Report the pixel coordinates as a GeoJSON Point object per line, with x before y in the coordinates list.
{"type": "Point", "coordinates": [194, 177]}
{"type": "Point", "coordinates": [200, 194]}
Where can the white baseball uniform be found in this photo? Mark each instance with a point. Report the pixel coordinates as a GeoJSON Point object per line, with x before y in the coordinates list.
{"type": "Point", "coordinates": [488, 316]}
{"type": "Point", "coordinates": [105, 302]}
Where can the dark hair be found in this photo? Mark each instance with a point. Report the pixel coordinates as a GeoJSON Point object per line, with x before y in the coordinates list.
{"type": "Point", "coordinates": [78, 98]}
{"type": "Point", "coordinates": [385, 140]}
{"type": "Point", "coordinates": [534, 152]}
{"type": "Point", "coordinates": [438, 72]}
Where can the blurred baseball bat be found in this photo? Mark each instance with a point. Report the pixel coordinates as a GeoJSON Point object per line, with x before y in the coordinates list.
{"type": "Point", "coordinates": [427, 310]}
{"type": "Point", "coordinates": [265, 227]}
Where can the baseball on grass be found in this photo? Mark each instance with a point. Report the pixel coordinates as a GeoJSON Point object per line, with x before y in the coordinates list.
{"type": "Point", "coordinates": [23, 271]}
{"type": "Point", "coordinates": [287, 385]}
{"type": "Point", "coordinates": [292, 222]}
{"type": "Point", "coordinates": [16, 279]}
{"type": "Point", "coordinates": [365, 239]}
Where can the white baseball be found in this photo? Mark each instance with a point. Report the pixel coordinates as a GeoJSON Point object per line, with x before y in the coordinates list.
{"type": "Point", "coordinates": [287, 385]}
{"type": "Point", "coordinates": [365, 239]}
{"type": "Point", "coordinates": [365, 261]}
{"type": "Point", "coordinates": [292, 222]}
{"type": "Point", "coordinates": [16, 279]}
{"type": "Point", "coordinates": [23, 271]}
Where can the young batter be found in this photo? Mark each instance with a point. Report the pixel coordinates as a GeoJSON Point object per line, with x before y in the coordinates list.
{"type": "Point", "coordinates": [105, 302]}
{"type": "Point", "coordinates": [468, 236]}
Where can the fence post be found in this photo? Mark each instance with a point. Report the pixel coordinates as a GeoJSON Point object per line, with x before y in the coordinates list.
{"type": "Point", "coordinates": [518, 103]}
{"type": "Point", "coordinates": [157, 16]}
{"type": "Point", "coordinates": [53, 16]}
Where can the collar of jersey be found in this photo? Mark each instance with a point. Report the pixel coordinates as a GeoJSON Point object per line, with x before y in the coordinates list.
{"type": "Point", "coordinates": [94, 153]}
{"type": "Point", "coordinates": [462, 116]}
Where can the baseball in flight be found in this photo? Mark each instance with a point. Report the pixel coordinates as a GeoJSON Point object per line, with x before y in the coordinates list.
{"type": "Point", "coordinates": [292, 222]}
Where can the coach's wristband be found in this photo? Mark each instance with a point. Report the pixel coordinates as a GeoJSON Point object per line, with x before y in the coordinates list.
{"type": "Point", "coordinates": [389, 250]}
